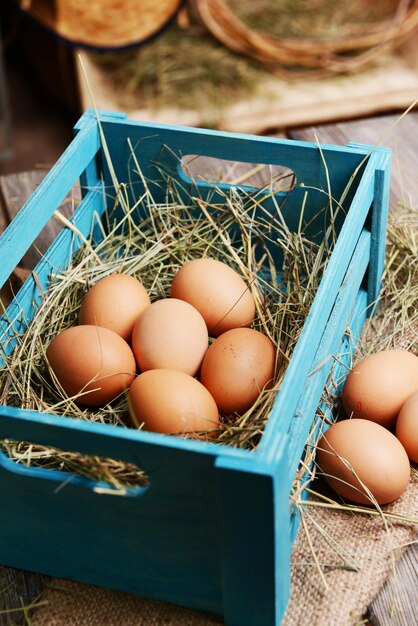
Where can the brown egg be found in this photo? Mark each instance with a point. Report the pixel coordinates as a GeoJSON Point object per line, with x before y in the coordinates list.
{"type": "Point", "coordinates": [114, 302]}
{"type": "Point", "coordinates": [377, 386]}
{"type": "Point", "coordinates": [170, 334]}
{"type": "Point", "coordinates": [375, 455]}
{"type": "Point", "coordinates": [217, 292]}
{"type": "Point", "coordinates": [407, 426]}
{"type": "Point", "coordinates": [237, 366]}
{"type": "Point", "coordinates": [92, 361]}
{"type": "Point", "coordinates": [172, 402]}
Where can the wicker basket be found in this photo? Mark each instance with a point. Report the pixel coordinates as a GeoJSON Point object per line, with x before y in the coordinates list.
{"type": "Point", "coordinates": [334, 55]}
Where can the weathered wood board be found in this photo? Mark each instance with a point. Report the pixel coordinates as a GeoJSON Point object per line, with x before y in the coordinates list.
{"type": "Point", "coordinates": [396, 603]}
{"type": "Point", "coordinates": [394, 131]}
{"type": "Point", "coordinates": [391, 85]}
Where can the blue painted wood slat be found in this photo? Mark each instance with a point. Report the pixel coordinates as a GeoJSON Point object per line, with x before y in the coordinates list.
{"type": "Point", "coordinates": [30, 220]}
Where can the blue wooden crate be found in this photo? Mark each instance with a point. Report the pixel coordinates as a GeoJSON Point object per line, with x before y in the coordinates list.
{"type": "Point", "coordinates": [214, 529]}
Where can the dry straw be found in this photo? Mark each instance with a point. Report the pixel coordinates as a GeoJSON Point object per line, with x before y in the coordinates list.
{"type": "Point", "coordinates": [396, 325]}
{"type": "Point", "coordinates": [184, 67]}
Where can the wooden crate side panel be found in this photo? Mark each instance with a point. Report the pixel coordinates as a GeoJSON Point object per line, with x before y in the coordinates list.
{"type": "Point", "coordinates": [150, 142]}
{"type": "Point", "coordinates": [300, 365]}
{"type": "Point", "coordinates": [329, 347]}
{"type": "Point", "coordinates": [159, 147]}
{"type": "Point", "coordinates": [161, 541]}
{"type": "Point", "coordinates": [345, 354]}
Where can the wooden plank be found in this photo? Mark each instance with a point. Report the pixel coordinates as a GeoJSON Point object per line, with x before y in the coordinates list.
{"type": "Point", "coordinates": [390, 85]}
{"type": "Point", "coordinates": [396, 603]}
{"type": "Point", "coordinates": [18, 589]}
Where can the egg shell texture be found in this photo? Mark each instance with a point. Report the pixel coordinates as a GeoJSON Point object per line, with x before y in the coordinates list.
{"type": "Point", "coordinates": [93, 361]}
{"type": "Point", "coordinates": [172, 402]}
{"type": "Point", "coordinates": [170, 334]}
{"type": "Point", "coordinates": [237, 366]}
{"type": "Point", "coordinates": [407, 426]}
{"type": "Point", "coordinates": [114, 302]}
{"type": "Point", "coordinates": [377, 386]}
{"type": "Point", "coordinates": [217, 291]}
{"type": "Point", "coordinates": [376, 456]}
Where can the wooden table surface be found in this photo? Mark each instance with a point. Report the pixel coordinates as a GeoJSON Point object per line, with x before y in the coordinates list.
{"type": "Point", "coordinates": [18, 588]}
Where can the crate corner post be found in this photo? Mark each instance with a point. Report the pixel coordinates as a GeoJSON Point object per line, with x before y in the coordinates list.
{"type": "Point", "coordinates": [255, 555]}
{"type": "Point", "coordinates": [380, 211]}
{"type": "Point", "coordinates": [382, 158]}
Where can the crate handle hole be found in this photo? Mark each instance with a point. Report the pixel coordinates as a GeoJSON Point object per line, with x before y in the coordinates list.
{"type": "Point", "coordinates": [132, 482]}
{"type": "Point", "coordinates": [200, 169]}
